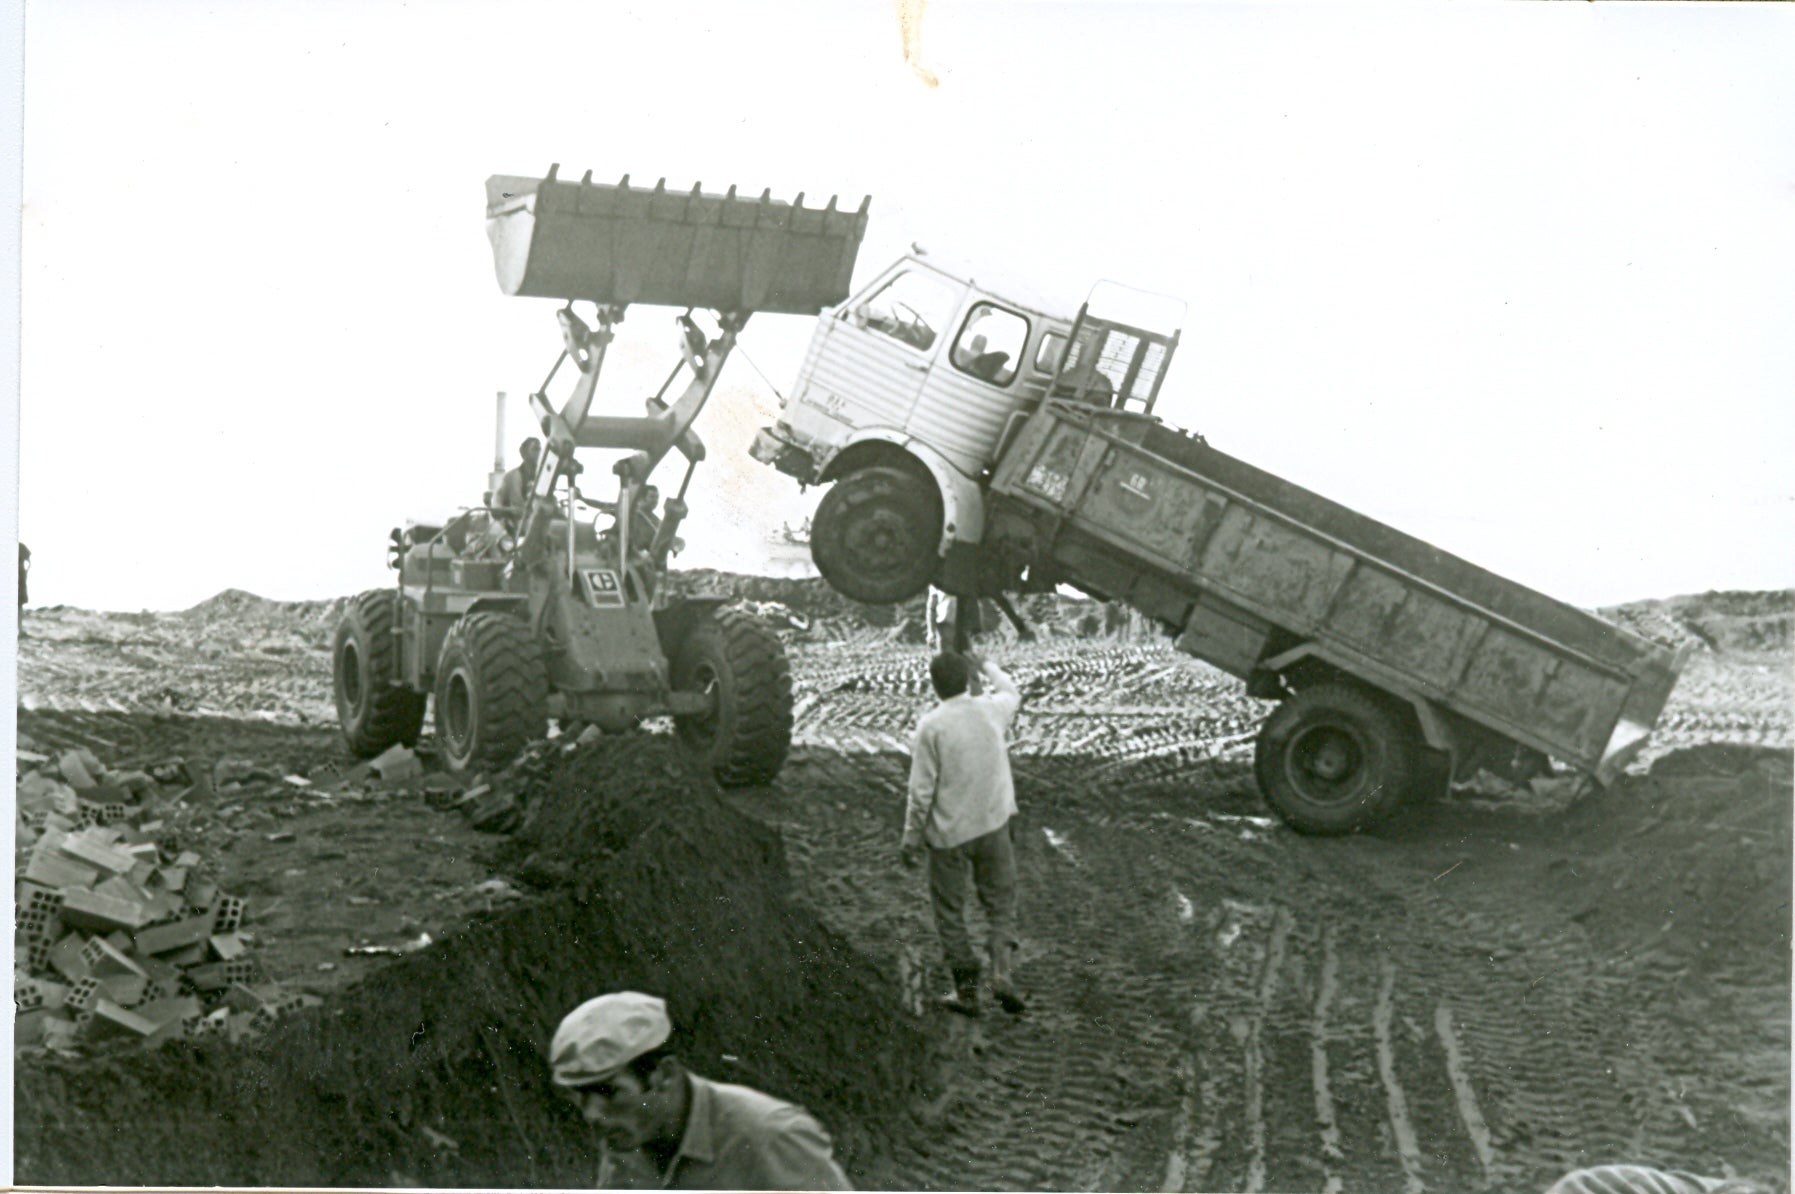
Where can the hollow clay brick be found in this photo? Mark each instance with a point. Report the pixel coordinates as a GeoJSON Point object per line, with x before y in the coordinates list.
{"type": "Point", "coordinates": [126, 990]}
{"type": "Point", "coordinates": [163, 939]}
{"type": "Point", "coordinates": [111, 1019]}
{"type": "Point", "coordinates": [66, 959]}
{"type": "Point", "coordinates": [101, 913]}
{"type": "Point", "coordinates": [226, 946]}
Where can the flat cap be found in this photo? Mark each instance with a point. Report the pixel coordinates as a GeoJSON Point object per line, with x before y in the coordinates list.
{"type": "Point", "coordinates": [602, 1035]}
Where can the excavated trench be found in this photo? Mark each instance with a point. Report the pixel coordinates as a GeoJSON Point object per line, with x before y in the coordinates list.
{"type": "Point", "coordinates": [430, 1070]}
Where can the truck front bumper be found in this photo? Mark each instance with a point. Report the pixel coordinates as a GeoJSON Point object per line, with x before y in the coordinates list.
{"type": "Point", "coordinates": [769, 447]}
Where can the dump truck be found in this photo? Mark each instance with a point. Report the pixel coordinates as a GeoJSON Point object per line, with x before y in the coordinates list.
{"type": "Point", "coordinates": [1396, 667]}
{"type": "Point", "coordinates": [505, 617]}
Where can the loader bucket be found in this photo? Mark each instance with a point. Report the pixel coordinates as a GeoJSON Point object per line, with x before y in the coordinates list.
{"type": "Point", "coordinates": [623, 244]}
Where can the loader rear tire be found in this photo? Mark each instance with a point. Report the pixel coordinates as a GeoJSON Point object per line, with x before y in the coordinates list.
{"type": "Point", "coordinates": [745, 737]}
{"type": "Point", "coordinates": [876, 535]}
{"type": "Point", "coordinates": [491, 691]}
{"type": "Point", "coordinates": [373, 711]}
{"type": "Point", "coordinates": [1335, 759]}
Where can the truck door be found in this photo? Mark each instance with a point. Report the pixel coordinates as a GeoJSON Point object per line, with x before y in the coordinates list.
{"type": "Point", "coordinates": [976, 384]}
{"type": "Point", "coordinates": [871, 359]}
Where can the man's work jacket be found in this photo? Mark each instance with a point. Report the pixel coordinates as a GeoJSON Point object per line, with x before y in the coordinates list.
{"type": "Point", "coordinates": [740, 1139]}
{"type": "Point", "coordinates": [960, 783]}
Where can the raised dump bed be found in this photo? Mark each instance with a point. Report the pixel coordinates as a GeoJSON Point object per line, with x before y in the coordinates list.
{"type": "Point", "coordinates": [1289, 590]}
{"type": "Point", "coordinates": [618, 244]}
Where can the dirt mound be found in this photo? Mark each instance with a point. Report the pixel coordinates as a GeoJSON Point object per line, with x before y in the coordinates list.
{"type": "Point", "coordinates": [1726, 621]}
{"type": "Point", "coordinates": [1697, 864]}
{"type": "Point", "coordinates": [431, 1070]}
{"type": "Point", "coordinates": [235, 611]}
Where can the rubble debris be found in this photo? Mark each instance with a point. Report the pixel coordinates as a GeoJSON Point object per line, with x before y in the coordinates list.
{"type": "Point", "coordinates": [117, 938]}
{"type": "Point", "coordinates": [421, 941]}
{"type": "Point", "coordinates": [170, 771]}
{"type": "Point", "coordinates": [228, 771]}
{"type": "Point", "coordinates": [495, 812]}
{"type": "Point", "coordinates": [396, 766]}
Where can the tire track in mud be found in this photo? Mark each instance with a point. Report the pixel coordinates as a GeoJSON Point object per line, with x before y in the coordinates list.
{"type": "Point", "coordinates": [1061, 1096]}
{"type": "Point", "coordinates": [1328, 1127]}
{"type": "Point", "coordinates": [1400, 1125]}
{"type": "Point", "coordinates": [1416, 1037]}
{"type": "Point", "coordinates": [1099, 1040]}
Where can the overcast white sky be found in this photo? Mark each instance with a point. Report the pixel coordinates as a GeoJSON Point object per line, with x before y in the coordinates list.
{"type": "Point", "coordinates": [1517, 279]}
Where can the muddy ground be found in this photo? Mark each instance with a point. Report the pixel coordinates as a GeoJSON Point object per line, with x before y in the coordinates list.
{"type": "Point", "coordinates": [1496, 988]}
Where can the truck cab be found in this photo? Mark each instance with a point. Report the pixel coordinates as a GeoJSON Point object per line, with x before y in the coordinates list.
{"type": "Point", "coordinates": [903, 402]}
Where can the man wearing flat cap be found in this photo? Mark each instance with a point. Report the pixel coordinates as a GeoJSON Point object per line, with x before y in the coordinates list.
{"type": "Point", "coordinates": [610, 1057]}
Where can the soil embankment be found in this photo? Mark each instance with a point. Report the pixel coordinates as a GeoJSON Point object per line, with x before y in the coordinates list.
{"type": "Point", "coordinates": [430, 1070]}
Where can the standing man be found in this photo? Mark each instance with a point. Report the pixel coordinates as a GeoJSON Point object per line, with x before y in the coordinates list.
{"type": "Point", "coordinates": [961, 801]}
{"type": "Point", "coordinates": [609, 1056]}
{"type": "Point", "coordinates": [515, 489]}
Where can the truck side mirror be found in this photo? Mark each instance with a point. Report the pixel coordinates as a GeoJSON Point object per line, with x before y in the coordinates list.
{"type": "Point", "coordinates": [859, 316]}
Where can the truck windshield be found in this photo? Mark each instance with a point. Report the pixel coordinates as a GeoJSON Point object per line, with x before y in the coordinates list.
{"type": "Point", "coordinates": [912, 307]}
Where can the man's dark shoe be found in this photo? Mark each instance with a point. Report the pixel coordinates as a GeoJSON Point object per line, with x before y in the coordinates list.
{"type": "Point", "coordinates": [1009, 998]}
{"type": "Point", "coordinates": [964, 998]}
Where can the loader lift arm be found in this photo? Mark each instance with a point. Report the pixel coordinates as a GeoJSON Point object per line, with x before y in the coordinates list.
{"type": "Point", "coordinates": [649, 436]}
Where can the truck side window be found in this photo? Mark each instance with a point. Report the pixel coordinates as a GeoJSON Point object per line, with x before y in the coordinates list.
{"type": "Point", "coordinates": [990, 344]}
{"type": "Point", "coordinates": [1047, 354]}
{"type": "Point", "coordinates": [910, 307]}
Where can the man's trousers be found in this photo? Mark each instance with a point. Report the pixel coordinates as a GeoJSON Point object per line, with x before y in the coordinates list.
{"type": "Point", "coordinates": [986, 864]}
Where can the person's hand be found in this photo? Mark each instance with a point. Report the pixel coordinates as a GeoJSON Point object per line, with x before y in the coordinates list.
{"type": "Point", "coordinates": [910, 854]}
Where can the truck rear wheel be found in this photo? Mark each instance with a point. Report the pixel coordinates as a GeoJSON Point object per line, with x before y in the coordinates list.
{"type": "Point", "coordinates": [491, 691]}
{"type": "Point", "coordinates": [747, 732]}
{"type": "Point", "coordinates": [1335, 759]}
{"type": "Point", "coordinates": [373, 711]}
{"type": "Point", "coordinates": [876, 535]}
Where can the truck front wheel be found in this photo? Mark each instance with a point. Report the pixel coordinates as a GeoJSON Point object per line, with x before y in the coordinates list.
{"type": "Point", "coordinates": [741, 666]}
{"type": "Point", "coordinates": [373, 711]}
{"type": "Point", "coordinates": [876, 535]}
{"type": "Point", "coordinates": [1335, 759]}
{"type": "Point", "coordinates": [491, 691]}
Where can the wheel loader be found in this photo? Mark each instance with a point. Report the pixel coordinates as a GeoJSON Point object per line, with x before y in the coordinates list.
{"type": "Point", "coordinates": [505, 617]}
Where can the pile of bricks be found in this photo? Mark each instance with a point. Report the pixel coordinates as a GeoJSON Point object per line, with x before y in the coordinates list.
{"type": "Point", "coordinates": [114, 939]}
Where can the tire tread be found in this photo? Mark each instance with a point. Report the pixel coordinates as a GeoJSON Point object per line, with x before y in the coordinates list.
{"type": "Point", "coordinates": [506, 665]}
{"type": "Point", "coordinates": [395, 713]}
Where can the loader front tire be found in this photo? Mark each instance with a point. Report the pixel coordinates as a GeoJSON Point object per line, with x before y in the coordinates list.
{"type": "Point", "coordinates": [745, 735]}
{"type": "Point", "coordinates": [373, 711]}
{"type": "Point", "coordinates": [876, 535]}
{"type": "Point", "coordinates": [491, 691]}
{"type": "Point", "coordinates": [1335, 759]}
